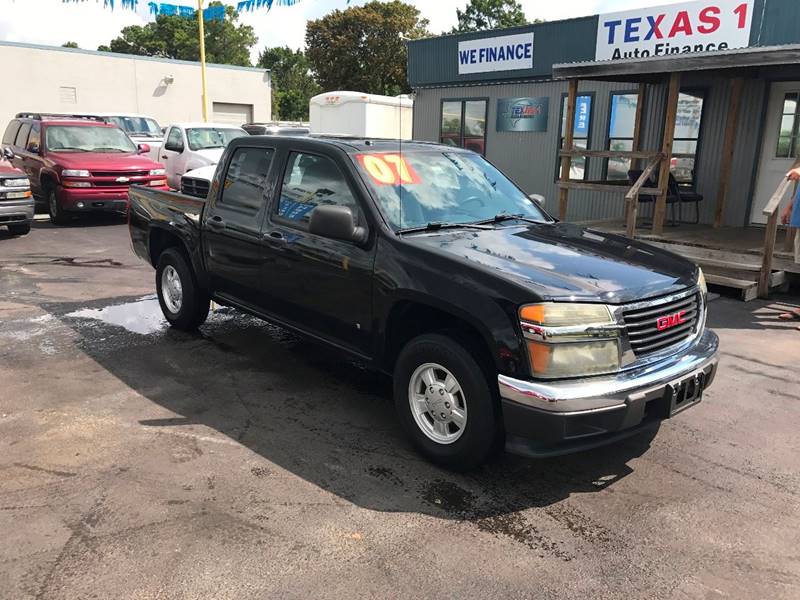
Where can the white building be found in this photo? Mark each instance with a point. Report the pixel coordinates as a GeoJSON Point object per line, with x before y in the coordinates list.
{"type": "Point", "coordinates": [63, 80]}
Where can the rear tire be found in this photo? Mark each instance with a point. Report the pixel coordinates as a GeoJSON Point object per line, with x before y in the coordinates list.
{"type": "Point", "coordinates": [182, 301]}
{"type": "Point", "coordinates": [444, 402]}
{"type": "Point", "coordinates": [20, 229]}
{"type": "Point", "coordinates": [57, 214]}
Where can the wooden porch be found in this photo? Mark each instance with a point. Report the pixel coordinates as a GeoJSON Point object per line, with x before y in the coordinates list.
{"type": "Point", "coordinates": [754, 259]}
{"type": "Point", "coordinates": [731, 257]}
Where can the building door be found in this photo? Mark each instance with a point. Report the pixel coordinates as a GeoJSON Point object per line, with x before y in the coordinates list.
{"type": "Point", "coordinates": [781, 147]}
{"type": "Point", "coordinates": [232, 114]}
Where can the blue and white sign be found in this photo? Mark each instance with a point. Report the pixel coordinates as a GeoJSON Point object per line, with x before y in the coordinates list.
{"type": "Point", "coordinates": [506, 53]}
{"type": "Point", "coordinates": [583, 112]}
{"type": "Point", "coordinates": [702, 26]}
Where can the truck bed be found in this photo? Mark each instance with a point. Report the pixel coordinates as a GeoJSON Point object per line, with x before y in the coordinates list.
{"type": "Point", "coordinates": [152, 210]}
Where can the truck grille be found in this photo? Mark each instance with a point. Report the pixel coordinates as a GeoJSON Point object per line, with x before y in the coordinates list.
{"type": "Point", "coordinates": [120, 173]}
{"type": "Point", "coordinates": [195, 187]}
{"type": "Point", "coordinates": [657, 325]}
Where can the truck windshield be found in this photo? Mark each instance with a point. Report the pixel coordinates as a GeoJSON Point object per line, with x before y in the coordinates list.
{"type": "Point", "coordinates": [201, 138]}
{"type": "Point", "coordinates": [76, 138]}
{"type": "Point", "coordinates": [438, 186]}
{"type": "Point", "coordinates": [137, 125]}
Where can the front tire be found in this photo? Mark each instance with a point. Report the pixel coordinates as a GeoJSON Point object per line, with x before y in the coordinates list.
{"type": "Point", "coordinates": [444, 402]}
{"type": "Point", "coordinates": [182, 301]}
{"type": "Point", "coordinates": [57, 214]}
{"type": "Point", "coordinates": [20, 229]}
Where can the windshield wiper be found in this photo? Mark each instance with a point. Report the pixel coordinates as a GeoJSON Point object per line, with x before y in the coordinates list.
{"type": "Point", "coordinates": [109, 149]}
{"type": "Point", "coordinates": [63, 148]}
{"type": "Point", "coordinates": [437, 225]}
{"type": "Point", "coordinates": [499, 218]}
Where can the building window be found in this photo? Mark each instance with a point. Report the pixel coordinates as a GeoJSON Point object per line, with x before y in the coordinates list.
{"type": "Point", "coordinates": [464, 124]}
{"type": "Point", "coordinates": [790, 121]}
{"type": "Point", "coordinates": [621, 124]}
{"type": "Point", "coordinates": [687, 135]}
{"type": "Point", "coordinates": [580, 134]}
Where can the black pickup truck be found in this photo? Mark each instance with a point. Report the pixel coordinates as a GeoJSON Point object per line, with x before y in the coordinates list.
{"type": "Point", "coordinates": [498, 323]}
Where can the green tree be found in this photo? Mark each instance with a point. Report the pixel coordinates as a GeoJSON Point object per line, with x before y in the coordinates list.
{"type": "Point", "coordinates": [70, 45]}
{"type": "Point", "coordinates": [363, 48]}
{"type": "Point", "coordinates": [170, 36]}
{"type": "Point", "coordinates": [490, 14]}
{"type": "Point", "coordinates": [292, 82]}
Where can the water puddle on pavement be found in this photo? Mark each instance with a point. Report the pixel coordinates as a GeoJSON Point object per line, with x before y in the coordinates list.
{"type": "Point", "coordinates": [141, 316]}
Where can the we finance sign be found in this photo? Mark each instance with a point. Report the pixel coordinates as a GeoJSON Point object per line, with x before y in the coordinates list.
{"type": "Point", "coordinates": [506, 53]}
{"type": "Point", "coordinates": [675, 29]}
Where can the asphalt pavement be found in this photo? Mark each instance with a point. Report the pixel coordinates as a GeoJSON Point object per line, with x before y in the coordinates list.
{"type": "Point", "coordinates": [245, 462]}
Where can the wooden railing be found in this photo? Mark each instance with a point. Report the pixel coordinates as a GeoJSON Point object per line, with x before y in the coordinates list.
{"type": "Point", "coordinates": [771, 211]}
{"type": "Point", "coordinates": [631, 195]}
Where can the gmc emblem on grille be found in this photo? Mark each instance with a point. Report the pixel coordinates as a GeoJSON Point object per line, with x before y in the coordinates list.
{"type": "Point", "coordinates": [669, 321]}
{"type": "Point", "coordinates": [123, 179]}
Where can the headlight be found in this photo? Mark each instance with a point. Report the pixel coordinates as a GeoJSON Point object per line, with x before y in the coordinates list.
{"type": "Point", "coordinates": [573, 359]}
{"type": "Point", "coordinates": [75, 173]}
{"type": "Point", "coordinates": [570, 340]}
{"type": "Point", "coordinates": [158, 172]}
{"type": "Point", "coordinates": [21, 182]}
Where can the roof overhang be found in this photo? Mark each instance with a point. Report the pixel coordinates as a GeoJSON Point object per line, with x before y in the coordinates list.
{"type": "Point", "coordinates": [655, 67]}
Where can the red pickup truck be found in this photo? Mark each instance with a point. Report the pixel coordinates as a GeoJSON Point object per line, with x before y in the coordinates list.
{"type": "Point", "coordinates": [78, 164]}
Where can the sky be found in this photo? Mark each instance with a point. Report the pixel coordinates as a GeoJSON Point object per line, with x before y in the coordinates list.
{"type": "Point", "coordinates": [52, 22]}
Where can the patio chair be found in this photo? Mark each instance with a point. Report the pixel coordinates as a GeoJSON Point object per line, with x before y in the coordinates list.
{"type": "Point", "coordinates": [686, 195]}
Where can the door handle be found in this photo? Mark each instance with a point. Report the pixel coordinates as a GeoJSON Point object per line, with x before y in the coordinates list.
{"type": "Point", "coordinates": [216, 222]}
{"type": "Point", "coordinates": [164, 156]}
{"type": "Point", "coordinates": [275, 237]}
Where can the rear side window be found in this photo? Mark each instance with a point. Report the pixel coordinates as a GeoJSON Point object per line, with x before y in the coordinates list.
{"type": "Point", "coordinates": [35, 136]}
{"type": "Point", "coordinates": [11, 133]}
{"type": "Point", "coordinates": [309, 181]}
{"type": "Point", "coordinates": [243, 191]}
{"type": "Point", "coordinates": [22, 135]}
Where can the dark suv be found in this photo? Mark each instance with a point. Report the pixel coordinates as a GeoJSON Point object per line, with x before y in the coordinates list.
{"type": "Point", "coordinates": [79, 164]}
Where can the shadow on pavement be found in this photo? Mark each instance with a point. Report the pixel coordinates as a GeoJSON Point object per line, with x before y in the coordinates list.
{"type": "Point", "coordinates": [328, 421]}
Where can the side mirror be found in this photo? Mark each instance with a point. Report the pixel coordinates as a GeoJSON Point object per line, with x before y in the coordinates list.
{"type": "Point", "coordinates": [336, 222]}
{"type": "Point", "coordinates": [8, 153]}
{"type": "Point", "coordinates": [537, 198]}
{"type": "Point", "coordinates": [144, 148]}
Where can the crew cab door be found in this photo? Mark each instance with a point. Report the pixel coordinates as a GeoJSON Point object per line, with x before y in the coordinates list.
{"type": "Point", "coordinates": [231, 227]}
{"type": "Point", "coordinates": [320, 285]}
{"type": "Point", "coordinates": [173, 156]}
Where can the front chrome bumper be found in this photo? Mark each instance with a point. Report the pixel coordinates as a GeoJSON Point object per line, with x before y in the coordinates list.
{"type": "Point", "coordinates": [15, 212]}
{"type": "Point", "coordinates": [599, 394]}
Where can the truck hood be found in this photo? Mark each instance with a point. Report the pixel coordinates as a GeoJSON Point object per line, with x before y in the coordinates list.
{"type": "Point", "coordinates": [206, 173]}
{"type": "Point", "coordinates": [559, 261]}
{"type": "Point", "coordinates": [6, 169]}
{"type": "Point", "coordinates": [210, 156]}
{"type": "Point", "coordinates": [103, 161]}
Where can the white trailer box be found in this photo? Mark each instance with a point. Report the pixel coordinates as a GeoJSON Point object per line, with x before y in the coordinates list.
{"type": "Point", "coordinates": [362, 115]}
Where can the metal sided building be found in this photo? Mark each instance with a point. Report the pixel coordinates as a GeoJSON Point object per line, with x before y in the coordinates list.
{"type": "Point", "coordinates": [703, 95]}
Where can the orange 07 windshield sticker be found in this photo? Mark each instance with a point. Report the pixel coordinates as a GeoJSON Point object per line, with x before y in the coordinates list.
{"type": "Point", "coordinates": [388, 169]}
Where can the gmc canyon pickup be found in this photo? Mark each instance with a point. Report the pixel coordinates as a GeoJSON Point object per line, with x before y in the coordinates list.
{"type": "Point", "coordinates": [498, 324]}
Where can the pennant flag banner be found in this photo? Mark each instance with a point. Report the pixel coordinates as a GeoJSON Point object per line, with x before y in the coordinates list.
{"type": "Point", "coordinates": [209, 14]}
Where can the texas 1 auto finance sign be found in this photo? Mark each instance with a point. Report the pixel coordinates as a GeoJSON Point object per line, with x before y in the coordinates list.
{"type": "Point", "coordinates": [704, 26]}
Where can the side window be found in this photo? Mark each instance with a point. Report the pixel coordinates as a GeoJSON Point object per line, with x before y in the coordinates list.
{"type": "Point", "coordinates": [22, 135]}
{"type": "Point", "coordinates": [309, 181]}
{"type": "Point", "coordinates": [243, 191]}
{"type": "Point", "coordinates": [174, 140]}
{"type": "Point", "coordinates": [34, 139]}
{"type": "Point", "coordinates": [11, 133]}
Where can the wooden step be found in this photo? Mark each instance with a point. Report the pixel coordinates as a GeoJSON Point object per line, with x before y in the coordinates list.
{"type": "Point", "coordinates": [747, 288]}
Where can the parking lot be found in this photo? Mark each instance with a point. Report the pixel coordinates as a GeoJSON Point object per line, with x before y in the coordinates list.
{"type": "Point", "coordinates": [243, 462]}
